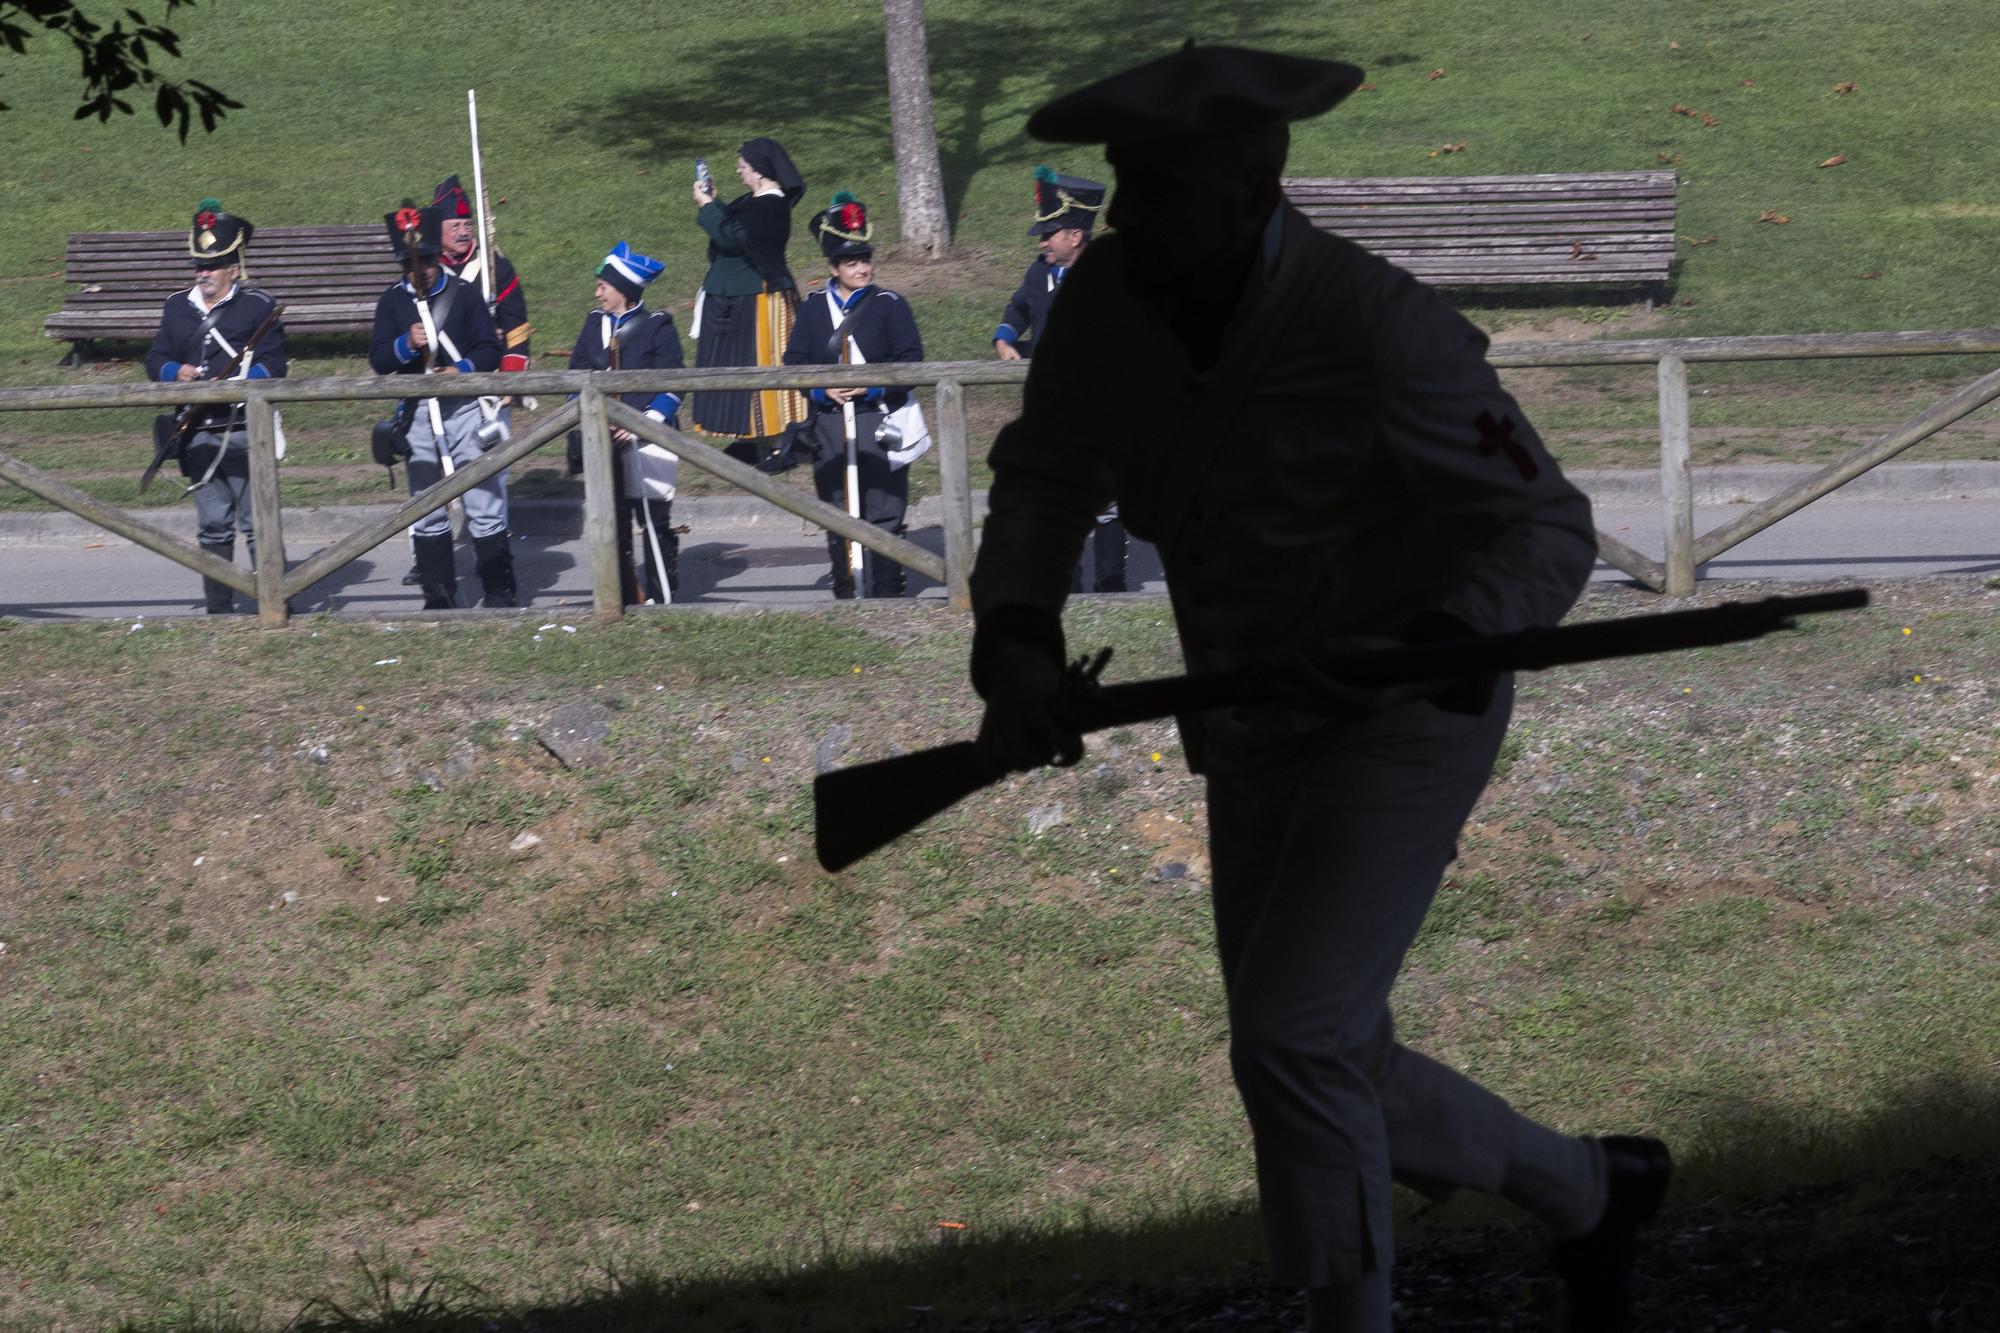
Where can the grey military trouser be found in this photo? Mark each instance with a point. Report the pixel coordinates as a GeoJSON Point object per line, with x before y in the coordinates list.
{"type": "Point", "coordinates": [486, 503]}
{"type": "Point", "coordinates": [1327, 850]}
{"type": "Point", "coordinates": [223, 505]}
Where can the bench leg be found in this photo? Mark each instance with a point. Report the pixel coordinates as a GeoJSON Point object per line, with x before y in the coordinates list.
{"type": "Point", "coordinates": [79, 352]}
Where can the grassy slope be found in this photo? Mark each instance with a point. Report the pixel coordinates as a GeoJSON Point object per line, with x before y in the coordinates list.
{"type": "Point", "coordinates": [590, 133]}
{"type": "Point", "coordinates": [1742, 898]}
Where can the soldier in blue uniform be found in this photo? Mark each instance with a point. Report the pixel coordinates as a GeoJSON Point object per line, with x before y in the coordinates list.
{"type": "Point", "coordinates": [645, 474]}
{"type": "Point", "coordinates": [1066, 208]}
{"type": "Point", "coordinates": [848, 321]}
{"type": "Point", "coordinates": [1326, 461]}
{"type": "Point", "coordinates": [440, 327]}
{"type": "Point", "coordinates": [202, 335]}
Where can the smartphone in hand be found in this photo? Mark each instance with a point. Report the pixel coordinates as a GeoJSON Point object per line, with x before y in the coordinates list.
{"type": "Point", "coordinates": [703, 181]}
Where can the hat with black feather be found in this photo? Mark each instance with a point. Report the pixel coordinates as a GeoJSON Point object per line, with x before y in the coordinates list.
{"type": "Point", "coordinates": [843, 230]}
{"type": "Point", "coordinates": [1065, 202]}
{"type": "Point", "coordinates": [216, 238]}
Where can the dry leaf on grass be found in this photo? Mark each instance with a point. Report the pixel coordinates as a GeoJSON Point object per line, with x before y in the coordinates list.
{"type": "Point", "coordinates": [1435, 74]}
{"type": "Point", "coordinates": [1680, 110]}
{"type": "Point", "coordinates": [1365, 88]}
{"type": "Point", "coordinates": [1587, 36]}
{"type": "Point", "coordinates": [1876, 274]}
{"type": "Point", "coordinates": [1772, 215]}
{"type": "Point", "coordinates": [1446, 149]}
{"type": "Point", "coordinates": [1748, 83]}
{"type": "Point", "coordinates": [1708, 120]}
{"type": "Point", "coordinates": [1709, 239]}
{"type": "Point", "coordinates": [1673, 46]}
{"type": "Point", "coordinates": [1843, 89]}
{"type": "Point", "coordinates": [1835, 160]}
{"type": "Point", "coordinates": [1673, 159]}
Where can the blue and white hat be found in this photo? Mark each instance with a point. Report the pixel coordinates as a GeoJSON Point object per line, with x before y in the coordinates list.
{"type": "Point", "coordinates": [629, 271]}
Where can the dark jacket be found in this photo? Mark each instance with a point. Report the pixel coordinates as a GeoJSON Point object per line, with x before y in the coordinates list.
{"type": "Point", "coordinates": [1028, 309]}
{"type": "Point", "coordinates": [510, 311]}
{"type": "Point", "coordinates": [647, 340]}
{"type": "Point", "coordinates": [746, 245]}
{"type": "Point", "coordinates": [466, 324]}
{"type": "Point", "coordinates": [242, 311]}
{"type": "Point", "coordinates": [881, 325]}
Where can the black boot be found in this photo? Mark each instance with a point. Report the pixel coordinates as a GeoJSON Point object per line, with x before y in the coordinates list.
{"type": "Point", "coordinates": [414, 577]}
{"type": "Point", "coordinates": [439, 570]}
{"type": "Point", "coordinates": [843, 577]}
{"type": "Point", "coordinates": [1597, 1267]}
{"type": "Point", "coordinates": [221, 597]}
{"type": "Point", "coordinates": [496, 569]}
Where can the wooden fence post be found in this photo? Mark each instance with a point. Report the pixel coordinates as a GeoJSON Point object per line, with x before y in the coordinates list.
{"type": "Point", "coordinates": [955, 480]}
{"type": "Point", "coordinates": [266, 512]}
{"type": "Point", "coordinates": [1676, 478]}
{"type": "Point", "coordinates": [600, 507]}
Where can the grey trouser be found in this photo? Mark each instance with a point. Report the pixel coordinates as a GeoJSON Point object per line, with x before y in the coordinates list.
{"type": "Point", "coordinates": [223, 505]}
{"type": "Point", "coordinates": [1327, 850]}
{"type": "Point", "coordinates": [486, 503]}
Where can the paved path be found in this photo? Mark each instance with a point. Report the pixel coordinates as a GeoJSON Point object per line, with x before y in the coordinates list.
{"type": "Point", "coordinates": [741, 552]}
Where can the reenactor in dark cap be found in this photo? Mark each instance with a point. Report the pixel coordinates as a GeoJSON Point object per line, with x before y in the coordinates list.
{"type": "Point", "coordinates": [1066, 208]}
{"type": "Point", "coordinates": [849, 321]}
{"type": "Point", "coordinates": [463, 258]}
{"type": "Point", "coordinates": [1318, 447]}
{"type": "Point", "coordinates": [205, 333]}
{"type": "Point", "coordinates": [432, 324]}
{"type": "Point", "coordinates": [624, 333]}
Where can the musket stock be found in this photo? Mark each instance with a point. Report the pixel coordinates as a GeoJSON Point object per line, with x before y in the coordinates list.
{"type": "Point", "coordinates": [168, 442]}
{"type": "Point", "coordinates": [859, 809]}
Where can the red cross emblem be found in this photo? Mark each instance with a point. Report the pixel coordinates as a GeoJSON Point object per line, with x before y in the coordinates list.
{"type": "Point", "coordinates": [1498, 437]}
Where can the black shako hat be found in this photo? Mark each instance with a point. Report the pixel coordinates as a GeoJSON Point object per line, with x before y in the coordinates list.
{"type": "Point", "coordinates": [842, 228]}
{"type": "Point", "coordinates": [216, 238]}
{"type": "Point", "coordinates": [451, 199]}
{"type": "Point", "coordinates": [423, 226]}
{"type": "Point", "coordinates": [1063, 202]}
{"type": "Point", "coordinates": [1197, 90]}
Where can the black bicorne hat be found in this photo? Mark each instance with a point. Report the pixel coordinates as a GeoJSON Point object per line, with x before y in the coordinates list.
{"type": "Point", "coordinates": [216, 238]}
{"type": "Point", "coordinates": [451, 199]}
{"type": "Point", "coordinates": [424, 225]}
{"type": "Point", "coordinates": [1195, 91]}
{"type": "Point", "coordinates": [842, 228]}
{"type": "Point", "coordinates": [1063, 202]}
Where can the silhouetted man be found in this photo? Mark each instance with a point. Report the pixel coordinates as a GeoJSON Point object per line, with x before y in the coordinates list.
{"type": "Point", "coordinates": [1318, 448]}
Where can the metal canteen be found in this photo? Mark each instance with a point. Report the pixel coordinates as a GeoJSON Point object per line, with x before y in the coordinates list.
{"type": "Point", "coordinates": [889, 434]}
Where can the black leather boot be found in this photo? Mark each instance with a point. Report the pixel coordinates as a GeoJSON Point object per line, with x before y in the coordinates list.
{"type": "Point", "coordinates": [439, 570]}
{"type": "Point", "coordinates": [1597, 1267]}
{"type": "Point", "coordinates": [221, 597]}
{"type": "Point", "coordinates": [843, 577]}
{"type": "Point", "coordinates": [496, 569]}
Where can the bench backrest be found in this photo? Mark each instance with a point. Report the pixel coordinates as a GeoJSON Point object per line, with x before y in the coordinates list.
{"type": "Point", "coordinates": [1606, 226]}
{"type": "Point", "coordinates": [328, 278]}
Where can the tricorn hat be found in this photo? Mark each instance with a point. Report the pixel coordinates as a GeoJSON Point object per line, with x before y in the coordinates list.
{"type": "Point", "coordinates": [451, 199]}
{"type": "Point", "coordinates": [1197, 90]}
{"type": "Point", "coordinates": [423, 226]}
{"type": "Point", "coordinates": [1063, 202]}
{"type": "Point", "coordinates": [842, 228]}
{"type": "Point", "coordinates": [216, 238]}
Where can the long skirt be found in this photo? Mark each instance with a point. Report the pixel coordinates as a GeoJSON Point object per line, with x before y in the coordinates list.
{"type": "Point", "coordinates": [745, 331]}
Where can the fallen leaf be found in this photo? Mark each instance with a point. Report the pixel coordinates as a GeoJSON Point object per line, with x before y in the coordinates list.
{"type": "Point", "coordinates": [1673, 46]}
{"type": "Point", "coordinates": [1835, 160]}
{"type": "Point", "coordinates": [1749, 83]}
{"type": "Point", "coordinates": [1435, 74]}
{"type": "Point", "coordinates": [1680, 110]}
{"type": "Point", "coordinates": [1365, 88]}
{"type": "Point", "coordinates": [1876, 274]}
{"type": "Point", "coordinates": [1576, 253]}
{"type": "Point", "coordinates": [1446, 149]}
{"type": "Point", "coordinates": [1771, 215]}
{"type": "Point", "coordinates": [1587, 36]}
{"type": "Point", "coordinates": [1687, 300]}
{"type": "Point", "coordinates": [95, 546]}
{"type": "Point", "coordinates": [1671, 160]}
{"type": "Point", "coordinates": [1843, 89]}
{"type": "Point", "coordinates": [1708, 120]}
{"type": "Point", "coordinates": [1709, 239]}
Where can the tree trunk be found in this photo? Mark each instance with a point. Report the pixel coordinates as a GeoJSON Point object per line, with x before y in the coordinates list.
{"type": "Point", "coordinates": [919, 177]}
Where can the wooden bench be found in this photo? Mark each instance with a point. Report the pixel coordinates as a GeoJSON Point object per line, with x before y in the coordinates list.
{"type": "Point", "coordinates": [328, 278]}
{"type": "Point", "coordinates": [1602, 227]}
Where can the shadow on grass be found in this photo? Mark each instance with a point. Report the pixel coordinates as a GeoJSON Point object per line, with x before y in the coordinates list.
{"type": "Point", "coordinates": [987, 73]}
{"type": "Point", "coordinates": [1892, 1222]}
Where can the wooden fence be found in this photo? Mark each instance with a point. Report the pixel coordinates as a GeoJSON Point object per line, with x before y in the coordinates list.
{"type": "Point", "coordinates": [594, 407]}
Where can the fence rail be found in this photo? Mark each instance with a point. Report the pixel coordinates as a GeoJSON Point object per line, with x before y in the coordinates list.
{"type": "Point", "coordinates": [594, 407]}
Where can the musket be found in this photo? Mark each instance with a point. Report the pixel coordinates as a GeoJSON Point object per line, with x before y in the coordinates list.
{"type": "Point", "coordinates": [168, 443]}
{"type": "Point", "coordinates": [860, 809]}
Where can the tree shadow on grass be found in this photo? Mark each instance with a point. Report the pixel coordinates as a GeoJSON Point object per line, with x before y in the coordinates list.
{"type": "Point", "coordinates": [1888, 1223]}
{"type": "Point", "coordinates": [987, 73]}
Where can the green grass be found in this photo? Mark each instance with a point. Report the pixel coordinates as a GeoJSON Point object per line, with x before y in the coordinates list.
{"type": "Point", "coordinates": [588, 144]}
{"type": "Point", "coordinates": [1741, 897]}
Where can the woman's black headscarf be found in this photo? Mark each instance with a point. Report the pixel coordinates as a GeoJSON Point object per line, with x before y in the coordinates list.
{"type": "Point", "coordinates": [768, 158]}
